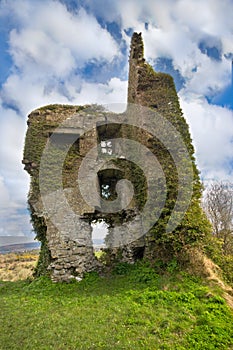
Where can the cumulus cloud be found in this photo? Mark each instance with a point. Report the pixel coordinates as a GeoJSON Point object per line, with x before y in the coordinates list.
{"type": "Point", "coordinates": [51, 34]}
{"type": "Point", "coordinates": [176, 28]}
{"type": "Point", "coordinates": [114, 91]}
{"type": "Point", "coordinates": [212, 132]}
{"type": "Point", "coordinates": [47, 46]}
{"type": "Point", "coordinates": [181, 41]}
{"type": "Point", "coordinates": [26, 94]}
{"type": "Point", "coordinates": [14, 183]}
{"type": "Point", "coordinates": [12, 132]}
{"type": "Point", "coordinates": [31, 48]}
{"type": "Point", "coordinates": [14, 217]}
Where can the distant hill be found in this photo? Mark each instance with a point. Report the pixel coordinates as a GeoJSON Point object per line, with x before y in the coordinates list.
{"type": "Point", "coordinates": [21, 247]}
{"type": "Point", "coordinates": [10, 244]}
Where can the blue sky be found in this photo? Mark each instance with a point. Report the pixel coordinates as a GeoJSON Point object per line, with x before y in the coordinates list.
{"type": "Point", "coordinates": [76, 52]}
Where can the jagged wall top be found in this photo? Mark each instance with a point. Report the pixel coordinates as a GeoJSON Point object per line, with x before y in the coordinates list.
{"type": "Point", "coordinates": [137, 48]}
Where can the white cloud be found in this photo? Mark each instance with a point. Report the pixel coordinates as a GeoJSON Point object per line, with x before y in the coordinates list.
{"type": "Point", "coordinates": [12, 133]}
{"type": "Point", "coordinates": [180, 41]}
{"type": "Point", "coordinates": [211, 16]}
{"type": "Point", "coordinates": [4, 195]}
{"type": "Point", "coordinates": [211, 76]}
{"type": "Point", "coordinates": [14, 218]}
{"type": "Point", "coordinates": [51, 40]}
{"type": "Point", "coordinates": [47, 46]}
{"type": "Point", "coordinates": [14, 182]}
{"type": "Point", "coordinates": [212, 132]}
{"type": "Point", "coordinates": [27, 94]}
{"type": "Point", "coordinates": [175, 30]}
{"type": "Point", "coordinates": [114, 91]}
{"type": "Point", "coordinates": [32, 48]}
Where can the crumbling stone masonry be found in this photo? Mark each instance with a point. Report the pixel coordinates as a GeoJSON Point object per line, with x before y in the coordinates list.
{"type": "Point", "coordinates": [61, 216]}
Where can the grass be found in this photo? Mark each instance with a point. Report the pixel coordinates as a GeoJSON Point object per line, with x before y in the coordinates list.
{"type": "Point", "coordinates": [134, 308]}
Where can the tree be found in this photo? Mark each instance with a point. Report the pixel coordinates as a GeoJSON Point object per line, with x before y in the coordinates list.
{"type": "Point", "coordinates": [218, 204]}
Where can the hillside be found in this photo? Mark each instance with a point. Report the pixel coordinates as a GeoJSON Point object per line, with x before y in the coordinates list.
{"type": "Point", "coordinates": [10, 248]}
{"type": "Point", "coordinates": [137, 307]}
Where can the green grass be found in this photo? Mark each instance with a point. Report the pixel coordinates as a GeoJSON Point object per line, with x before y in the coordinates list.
{"type": "Point", "coordinates": [135, 308]}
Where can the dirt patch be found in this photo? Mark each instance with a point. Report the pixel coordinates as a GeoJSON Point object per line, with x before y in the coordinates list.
{"type": "Point", "coordinates": [201, 265]}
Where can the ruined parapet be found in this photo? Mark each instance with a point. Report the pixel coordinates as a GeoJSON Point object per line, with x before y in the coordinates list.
{"type": "Point", "coordinates": [60, 139]}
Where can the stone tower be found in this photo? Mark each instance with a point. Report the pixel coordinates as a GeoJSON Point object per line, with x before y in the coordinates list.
{"type": "Point", "coordinates": [58, 142]}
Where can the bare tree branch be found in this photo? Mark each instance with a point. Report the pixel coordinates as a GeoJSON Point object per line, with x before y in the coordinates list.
{"type": "Point", "coordinates": [218, 204]}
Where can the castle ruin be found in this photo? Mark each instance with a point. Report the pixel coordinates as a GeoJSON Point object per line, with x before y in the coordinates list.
{"type": "Point", "coordinates": [69, 145]}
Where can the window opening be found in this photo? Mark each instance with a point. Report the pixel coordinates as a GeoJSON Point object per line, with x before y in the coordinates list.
{"type": "Point", "coordinates": [61, 140]}
{"type": "Point", "coordinates": [106, 147]}
{"type": "Point", "coordinates": [108, 179]}
{"type": "Point", "coordinates": [105, 134]}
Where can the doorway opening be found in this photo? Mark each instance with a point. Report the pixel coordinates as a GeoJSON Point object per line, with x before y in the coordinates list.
{"type": "Point", "coordinates": [99, 233]}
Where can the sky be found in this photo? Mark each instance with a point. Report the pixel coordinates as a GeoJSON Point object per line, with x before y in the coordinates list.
{"type": "Point", "coordinates": [76, 52]}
